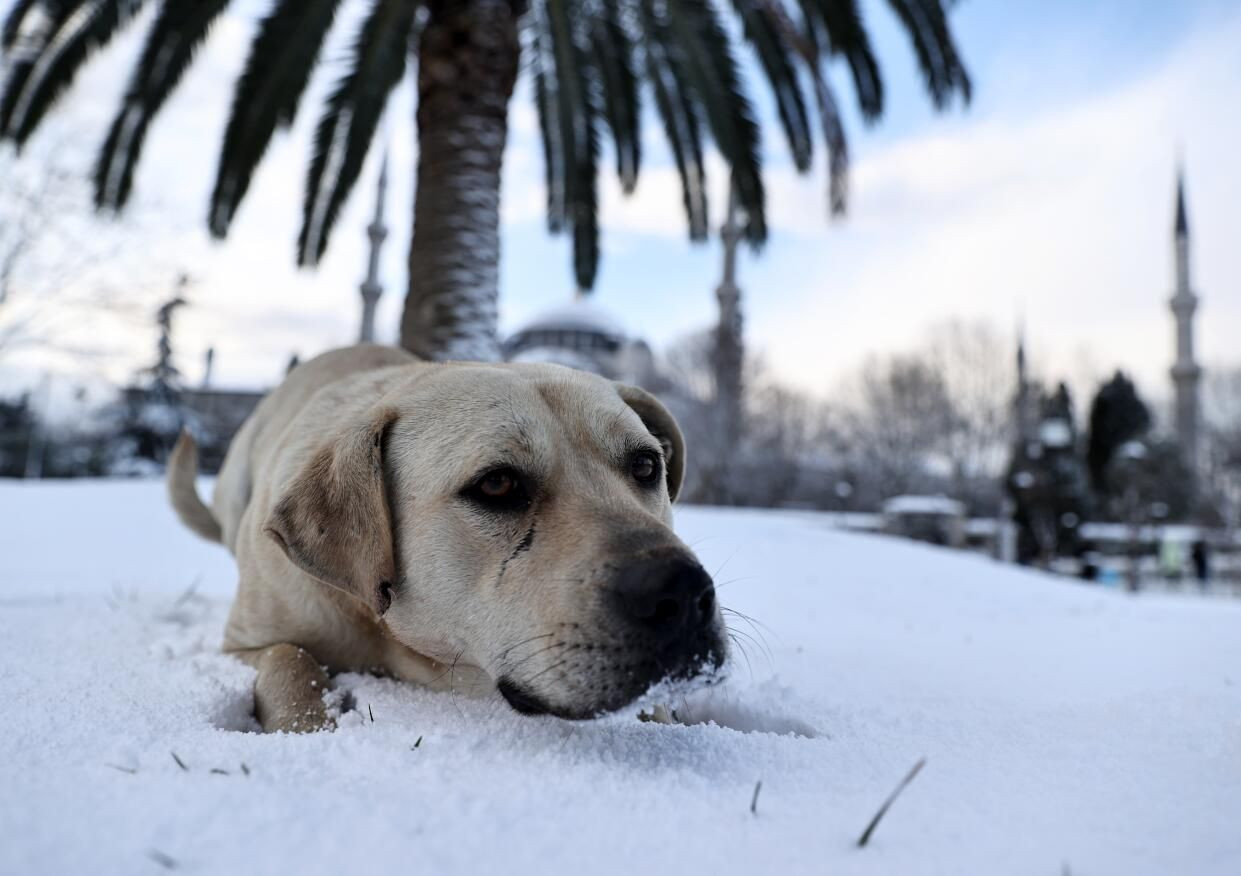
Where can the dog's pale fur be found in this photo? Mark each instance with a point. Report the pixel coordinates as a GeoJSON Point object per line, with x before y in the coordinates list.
{"type": "Point", "coordinates": [342, 500]}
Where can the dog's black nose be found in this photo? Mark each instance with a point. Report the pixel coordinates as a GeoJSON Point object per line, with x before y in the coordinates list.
{"type": "Point", "coordinates": [665, 596]}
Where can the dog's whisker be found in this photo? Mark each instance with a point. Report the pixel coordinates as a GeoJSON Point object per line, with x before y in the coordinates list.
{"type": "Point", "coordinates": [758, 643]}
{"type": "Point", "coordinates": [720, 584]}
{"type": "Point", "coordinates": [725, 563]}
{"type": "Point", "coordinates": [741, 649]}
{"type": "Point", "coordinates": [760, 629]}
{"type": "Point", "coordinates": [752, 620]}
{"type": "Point", "coordinates": [693, 544]}
{"type": "Point", "coordinates": [524, 660]}
{"type": "Point", "coordinates": [754, 637]}
{"type": "Point", "coordinates": [568, 736]}
{"type": "Point", "coordinates": [505, 651]}
{"type": "Point", "coordinates": [556, 665]}
{"type": "Point", "coordinates": [741, 635]}
{"type": "Point", "coordinates": [452, 684]}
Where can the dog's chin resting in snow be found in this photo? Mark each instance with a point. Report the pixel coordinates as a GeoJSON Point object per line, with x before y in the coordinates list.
{"type": "Point", "coordinates": [494, 528]}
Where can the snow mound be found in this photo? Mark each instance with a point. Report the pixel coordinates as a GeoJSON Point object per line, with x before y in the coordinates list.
{"type": "Point", "coordinates": [1064, 727]}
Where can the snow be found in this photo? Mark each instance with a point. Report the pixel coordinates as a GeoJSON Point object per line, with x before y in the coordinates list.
{"type": "Point", "coordinates": [938, 505]}
{"type": "Point", "coordinates": [1066, 728]}
{"type": "Point", "coordinates": [1055, 433]}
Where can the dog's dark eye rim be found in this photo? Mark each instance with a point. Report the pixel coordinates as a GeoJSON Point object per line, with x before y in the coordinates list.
{"type": "Point", "coordinates": [513, 495]}
{"type": "Point", "coordinates": [639, 459]}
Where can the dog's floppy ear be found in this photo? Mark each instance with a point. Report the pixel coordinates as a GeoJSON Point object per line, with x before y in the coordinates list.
{"type": "Point", "coordinates": [660, 424]}
{"type": "Point", "coordinates": [333, 521]}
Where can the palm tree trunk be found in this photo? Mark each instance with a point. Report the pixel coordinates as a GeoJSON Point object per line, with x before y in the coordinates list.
{"type": "Point", "coordinates": [467, 67]}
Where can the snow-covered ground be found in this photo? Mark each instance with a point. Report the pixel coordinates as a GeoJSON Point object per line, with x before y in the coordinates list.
{"type": "Point", "coordinates": [1065, 728]}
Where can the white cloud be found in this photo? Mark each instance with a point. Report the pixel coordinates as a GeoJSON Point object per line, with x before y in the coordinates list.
{"type": "Point", "coordinates": [1064, 219]}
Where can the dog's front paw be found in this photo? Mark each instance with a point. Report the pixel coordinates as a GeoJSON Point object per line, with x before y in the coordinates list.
{"type": "Point", "coordinates": [288, 693]}
{"type": "Point", "coordinates": [309, 720]}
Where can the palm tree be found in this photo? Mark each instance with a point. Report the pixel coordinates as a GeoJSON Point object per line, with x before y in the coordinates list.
{"type": "Point", "coordinates": [592, 62]}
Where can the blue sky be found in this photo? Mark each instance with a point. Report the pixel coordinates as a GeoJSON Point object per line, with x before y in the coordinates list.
{"type": "Point", "coordinates": [1047, 200]}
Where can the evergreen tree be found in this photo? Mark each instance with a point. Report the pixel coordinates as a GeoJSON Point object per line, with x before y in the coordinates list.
{"type": "Point", "coordinates": [1048, 483]}
{"type": "Point", "coordinates": [151, 416]}
{"type": "Point", "coordinates": [1117, 415]}
{"type": "Point", "coordinates": [17, 427]}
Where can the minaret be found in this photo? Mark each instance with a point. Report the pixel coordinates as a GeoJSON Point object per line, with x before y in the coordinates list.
{"type": "Point", "coordinates": [729, 353]}
{"type": "Point", "coordinates": [1186, 374]}
{"type": "Point", "coordinates": [1026, 399]}
{"type": "Point", "coordinates": [376, 231]}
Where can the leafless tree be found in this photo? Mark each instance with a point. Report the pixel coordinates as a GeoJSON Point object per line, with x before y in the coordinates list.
{"type": "Point", "coordinates": [759, 464]}
{"type": "Point", "coordinates": [935, 418]}
{"type": "Point", "coordinates": [61, 269]}
{"type": "Point", "coordinates": [978, 375]}
{"type": "Point", "coordinates": [897, 420]}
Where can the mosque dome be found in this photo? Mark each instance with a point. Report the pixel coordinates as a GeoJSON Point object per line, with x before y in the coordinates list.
{"type": "Point", "coordinates": [583, 335]}
{"type": "Point", "coordinates": [579, 327]}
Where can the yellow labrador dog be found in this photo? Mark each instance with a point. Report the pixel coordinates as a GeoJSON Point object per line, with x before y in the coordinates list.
{"type": "Point", "coordinates": [485, 527]}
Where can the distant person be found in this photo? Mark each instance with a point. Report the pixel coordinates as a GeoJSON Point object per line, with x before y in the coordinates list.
{"type": "Point", "coordinates": [1171, 562]}
{"type": "Point", "coordinates": [1200, 556]}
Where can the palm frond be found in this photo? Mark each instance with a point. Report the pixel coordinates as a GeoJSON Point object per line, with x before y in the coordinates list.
{"type": "Point", "coordinates": [13, 22]}
{"type": "Point", "coordinates": [80, 29]}
{"type": "Point", "coordinates": [927, 25]}
{"type": "Point", "coordinates": [678, 114]}
{"type": "Point", "coordinates": [808, 44]}
{"type": "Point", "coordinates": [29, 42]}
{"type": "Point", "coordinates": [763, 33]}
{"type": "Point", "coordinates": [266, 96]}
{"type": "Point", "coordinates": [612, 46]}
{"type": "Point", "coordinates": [179, 29]}
{"type": "Point", "coordinates": [841, 20]}
{"type": "Point", "coordinates": [546, 103]}
{"type": "Point", "coordinates": [585, 207]}
{"type": "Point", "coordinates": [712, 73]}
{"type": "Point", "coordinates": [569, 91]}
{"type": "Point", "coordinates": [837, 144]}
{"type": "Point", "coordinates": [349, 119]}
{"type": "Point", "coordinates": [577, 135]}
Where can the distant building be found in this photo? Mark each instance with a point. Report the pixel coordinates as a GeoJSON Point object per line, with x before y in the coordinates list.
{"type": "Point", "coordinates": [934, 519]}
{"type": "Point", "coordinates": [583, 335]}
{"type": "Point", "coordinates": [212, 415]}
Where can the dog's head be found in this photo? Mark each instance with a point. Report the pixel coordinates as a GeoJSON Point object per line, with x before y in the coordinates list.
{"type": "Point", "coordinates": [516, 518]}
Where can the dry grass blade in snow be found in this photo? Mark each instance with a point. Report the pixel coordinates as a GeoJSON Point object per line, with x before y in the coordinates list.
{"type": "Point", "coordinates": [874, 822]}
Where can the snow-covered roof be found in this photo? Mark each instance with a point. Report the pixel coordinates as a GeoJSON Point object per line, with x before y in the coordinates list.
{"type": "Point", "coordinates": [923, 505]}
{"type": "Point", "coordinates": [581, 314]}
{"type": "Point", "coordinates": [1055, 433]}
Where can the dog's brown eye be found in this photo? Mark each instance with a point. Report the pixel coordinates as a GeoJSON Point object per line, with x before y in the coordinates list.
{"type": "Point", "coordinates": [644, 467]}
{"type": "Point", "coordinates": [501, 489]}
{"type": "Point", "coordinates": [497, 485]}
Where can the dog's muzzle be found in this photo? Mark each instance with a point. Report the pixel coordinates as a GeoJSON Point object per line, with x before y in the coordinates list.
{"type": "Point", "coordinates": [662, 623]}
